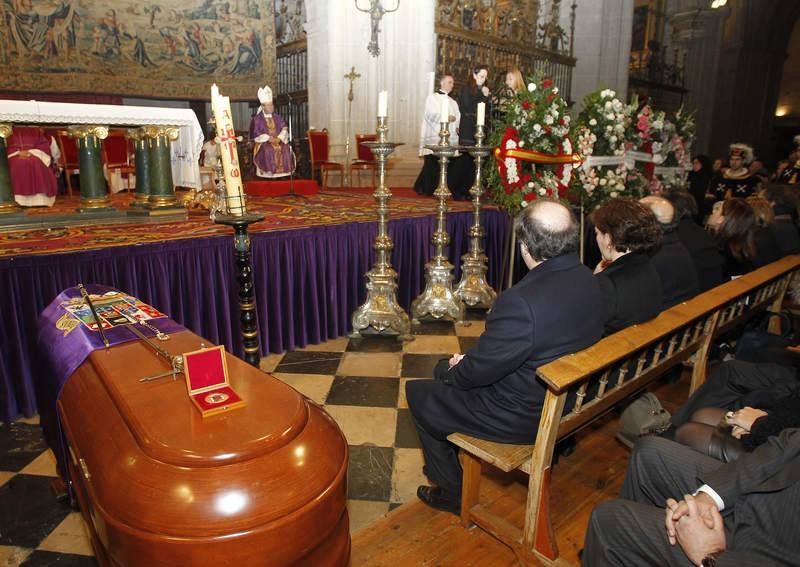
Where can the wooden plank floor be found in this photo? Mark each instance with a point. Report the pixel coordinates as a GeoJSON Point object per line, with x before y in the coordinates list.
{"type": "Point", "coordinates": [415, 535]}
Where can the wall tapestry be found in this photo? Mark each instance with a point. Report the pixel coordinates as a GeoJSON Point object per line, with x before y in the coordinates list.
{"type": "Point", "coordinates": [154, 48]}
{"type": "Point", "coordinates": [290, 19]}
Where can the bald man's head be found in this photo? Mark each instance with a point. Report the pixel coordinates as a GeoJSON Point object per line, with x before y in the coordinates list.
{"type": "Point", "coordinates": [662, 209]}
{"type": "Point", "coordinates": [548, 229]}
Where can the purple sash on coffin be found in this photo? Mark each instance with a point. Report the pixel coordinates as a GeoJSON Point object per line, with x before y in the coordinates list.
{"type": "Point", "coordinates": [61, 352]}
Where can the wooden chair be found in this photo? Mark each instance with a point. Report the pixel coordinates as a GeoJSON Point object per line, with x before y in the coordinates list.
{"type": "Point", "coordinates": [365, 159]}
{"type": "Point", "coordinates": [116, 155]}
{"type": "Point", "coordinates": [598, 379]}
{"type": "Point", "coordinates": [69, 161]}
{"type": "Point", "coordinates": [319, 150]}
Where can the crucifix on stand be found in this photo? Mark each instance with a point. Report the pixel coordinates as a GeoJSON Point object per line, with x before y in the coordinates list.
{"type": "Point", "coordinates": [351, 76]}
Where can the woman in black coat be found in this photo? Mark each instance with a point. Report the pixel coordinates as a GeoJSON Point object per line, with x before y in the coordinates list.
{"type": "Point", "coordinates": [626, 232]}
{"type": "Point", "coordinates": [744, 245]}
{"type": "Point", "coordinates": [700, 184]}
{"type": "Point", "coordinates": [463, 167]}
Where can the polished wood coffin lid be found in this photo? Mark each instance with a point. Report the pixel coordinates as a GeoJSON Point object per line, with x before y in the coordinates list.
{"type": "Point", "coordinates": [168, 428]}
{"type": "Point", "coordinates": [155, 469]}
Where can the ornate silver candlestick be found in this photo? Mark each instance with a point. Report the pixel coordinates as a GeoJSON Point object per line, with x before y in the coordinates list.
{"type": "Point", "coordinates": [473, 288]}
{"type": "Point", "coordinates": [381, 310]}
{"type": "Point", "coordinates": [438, 299]}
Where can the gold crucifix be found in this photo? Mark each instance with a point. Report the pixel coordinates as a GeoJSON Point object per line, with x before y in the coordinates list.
{"type": "Point", "coordinates": [351, 76]}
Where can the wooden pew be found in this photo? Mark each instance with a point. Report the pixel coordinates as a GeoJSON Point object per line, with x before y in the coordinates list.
{"type": "Point", "coordinates": [600, 377]}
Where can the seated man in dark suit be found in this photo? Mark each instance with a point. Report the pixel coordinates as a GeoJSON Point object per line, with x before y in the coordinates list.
{"type": "Point", "coordinates": [701, 245]}
{"type": "Point", "coordinates": [672, 260]}
{"type": "Point", "coordinates": [680, 507]}
{"type": "Point", "coordinates": [493, 392]}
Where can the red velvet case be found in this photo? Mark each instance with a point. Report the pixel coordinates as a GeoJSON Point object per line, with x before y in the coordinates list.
{"type": "Point", "coordinates": [206, 374]}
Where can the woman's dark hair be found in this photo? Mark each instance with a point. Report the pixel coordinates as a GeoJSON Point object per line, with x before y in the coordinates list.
{"type": "Point", "coordinates": [684, 203]}
{"type": "Point", "coordinates": [631, 226]}
{"type": "Point", "coordinates": [737, 231]}
{"type": "Point", "coordinates": [705, 163]}
{"type": "Point", "coordinates": [471, 84]}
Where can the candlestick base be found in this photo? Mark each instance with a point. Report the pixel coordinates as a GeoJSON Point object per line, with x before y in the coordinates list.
{"type": "Point", "coordinates": [381, 312]}
{"type": "Point", "coordinates": [473, 289]}
{"type": "Point", "coordinates": [438, 299]}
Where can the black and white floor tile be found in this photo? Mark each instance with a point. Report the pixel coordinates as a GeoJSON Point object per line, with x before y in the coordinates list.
{"type": "Point", "coordinates": [359, 382]}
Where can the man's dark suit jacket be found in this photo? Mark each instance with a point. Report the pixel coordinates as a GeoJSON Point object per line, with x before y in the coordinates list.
{"type": "Point", "coordinates": [676, 269]}
{"type": "Point", "coordinates": [631, 292]}
{"type": "Point", "coordinates": [704, 251]}
{"type": "Point", "coordinates": [493, 393]}
{"type": "Point", "coordinates": [761, 491]}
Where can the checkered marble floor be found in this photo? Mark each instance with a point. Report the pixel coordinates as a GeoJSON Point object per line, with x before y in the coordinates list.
{"type": "Point", "coordinates": [359, 382]}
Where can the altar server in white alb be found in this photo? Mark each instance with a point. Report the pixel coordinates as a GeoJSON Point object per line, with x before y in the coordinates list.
{"type": "Point", "coordinates": [271, 153]}
{"type": "Point", "coordinates": [435, 104]}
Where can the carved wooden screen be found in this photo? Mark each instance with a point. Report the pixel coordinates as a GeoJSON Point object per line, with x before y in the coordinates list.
{"type": "Point", "coordinates": [504, 34]}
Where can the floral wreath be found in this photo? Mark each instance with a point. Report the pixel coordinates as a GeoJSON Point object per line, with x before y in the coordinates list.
{"type": "Point", "coordinates": [535, 132]}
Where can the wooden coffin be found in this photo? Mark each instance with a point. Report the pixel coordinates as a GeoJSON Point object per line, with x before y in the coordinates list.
{"type": "Point", "coordinates": [160, 485]}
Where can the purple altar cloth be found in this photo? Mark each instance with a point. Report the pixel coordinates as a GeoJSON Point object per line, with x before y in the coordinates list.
{"type": "Point", "coordinates": [307, 281]}
{"type": "Point", "coordinates": [60, 354]}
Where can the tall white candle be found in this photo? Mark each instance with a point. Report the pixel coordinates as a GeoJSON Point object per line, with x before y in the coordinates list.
{"type": "Point", "coordinates": [444, 116]}
{"type": "Point", "coordinates": [214, 96]}
{"type": "Point", "coordinates": [229, 155]}
{"type": "Point", "coordinates": [383, 103]}
{"type": "Point", "coordinates": [481, 113]}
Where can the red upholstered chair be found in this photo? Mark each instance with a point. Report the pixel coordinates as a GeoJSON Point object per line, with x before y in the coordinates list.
{"type": "Point", "coordinates": [365, 159]}
{"type": "Point", "coordinates": [318, 149]}
{"type": "Point", "coordinates": [116, 156]}
{"type": "Point", "coordinates": [69, 161]}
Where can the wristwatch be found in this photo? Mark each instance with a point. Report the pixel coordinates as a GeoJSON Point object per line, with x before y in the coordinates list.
{"type": "Point", "coordinates": [709, 560]}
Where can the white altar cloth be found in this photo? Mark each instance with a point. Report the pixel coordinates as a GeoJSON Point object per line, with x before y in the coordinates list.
{"type": "Point", "coordinates": [185, 150]}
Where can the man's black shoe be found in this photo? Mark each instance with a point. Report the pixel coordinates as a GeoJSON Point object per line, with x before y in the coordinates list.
{"type": "Point", "coordinates": [435, 497]}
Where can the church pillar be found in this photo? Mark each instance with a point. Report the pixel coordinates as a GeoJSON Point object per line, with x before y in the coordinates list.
{"type": "Point", "coordinates": [601, 45]}
{"type": "Point", "coordinates": [94, 192]}
{"type": "Point", "coordinates": [162, 189]}
{"type": "Point", "coordinates": [7, 202]}
{"type": "Point", "coordinates": [337, 38]}
{"type": "Point", "coordinates": [753, 51]}
{"type": "Point", "coordinates": [141, 152]}
{"type": "Point", "coordinates": [697, 33]}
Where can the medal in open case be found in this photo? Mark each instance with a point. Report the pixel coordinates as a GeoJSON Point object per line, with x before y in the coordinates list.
{"type": "Point", "coordinates": [206, 372]}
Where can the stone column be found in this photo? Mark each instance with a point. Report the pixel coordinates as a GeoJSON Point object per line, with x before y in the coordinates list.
{"type": "Point", "coordinates": [697, 33]}
{"type": "Point", "coordinates": [752, 53]}
{"type": "Point", "coordinates": [602, 45]}
{"type": "Point", "coordinates": [94, 192]}
{"type": "Point", "coordinates": [141, 147]}
{"type": "Point", "coordinates": [338, 35]}
{"type": "Point", "coordinates": [7, 203]}
{"type": "Point", "coordinates": [162, 189]}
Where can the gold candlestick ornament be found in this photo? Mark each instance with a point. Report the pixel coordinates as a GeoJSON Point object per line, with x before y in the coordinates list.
{"type": "Point", "coordinates": [381, 312]}
{"type": "Point", "coordinates": [473, 289]}
{"type": "Point", "coordinates": [437, 300]}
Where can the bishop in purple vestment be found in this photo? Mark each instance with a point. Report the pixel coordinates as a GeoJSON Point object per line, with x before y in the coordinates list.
{"type": "Point", "coordinates": [271, 153]}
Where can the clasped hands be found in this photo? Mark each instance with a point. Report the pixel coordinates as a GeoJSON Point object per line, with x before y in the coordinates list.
{"type": "Point", "coordinates": [455, 359]}
{"type": "Point", "coordinates": [696, 525]}
{"type": "Point", "coordinates": [742, 420]}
